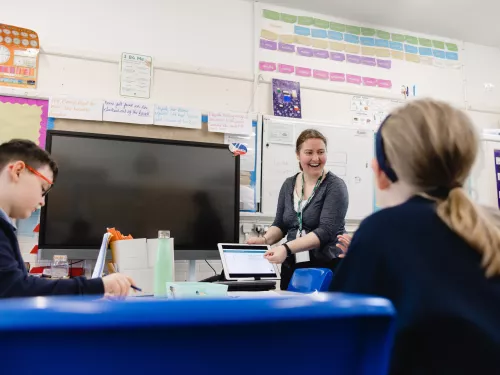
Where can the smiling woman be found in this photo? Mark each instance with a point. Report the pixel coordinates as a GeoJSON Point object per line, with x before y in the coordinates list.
{"type": "Point", "coordinates": [311, 212]}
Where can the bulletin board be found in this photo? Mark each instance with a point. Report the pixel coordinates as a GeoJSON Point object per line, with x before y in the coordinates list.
{"type": "Point", "coordinates": [23, 118]}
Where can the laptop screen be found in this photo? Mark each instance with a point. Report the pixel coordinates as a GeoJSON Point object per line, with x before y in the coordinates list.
{"type": "Point", "coordinates": [247, 261]}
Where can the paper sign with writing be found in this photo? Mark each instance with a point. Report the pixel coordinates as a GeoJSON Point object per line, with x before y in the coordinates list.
{"type": "Point", "coordinates": [135, 75]}
{"type": "Point", "coordinates": [228, 122]}
{"type": "Point", "coordinates": [76, 109]}
{"type": "Point", "coordinates": [128, 112]}
{"type": "Point", "coordinates": [177, 116]}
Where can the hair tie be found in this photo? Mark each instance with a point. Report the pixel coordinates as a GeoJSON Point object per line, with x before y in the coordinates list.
{"type": "Point", "coordinates": [443, 192]}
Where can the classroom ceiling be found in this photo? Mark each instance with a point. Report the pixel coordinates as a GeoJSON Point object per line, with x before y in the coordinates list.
{"type": "Point", "coordinates": [456, 19]}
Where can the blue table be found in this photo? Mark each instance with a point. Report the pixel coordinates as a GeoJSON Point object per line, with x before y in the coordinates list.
{"type": "Point", "coordinates": [326, 333]}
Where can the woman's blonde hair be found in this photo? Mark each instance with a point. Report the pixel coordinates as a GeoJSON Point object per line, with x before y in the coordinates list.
{"type": "Point", "coordinates": [432, 147]}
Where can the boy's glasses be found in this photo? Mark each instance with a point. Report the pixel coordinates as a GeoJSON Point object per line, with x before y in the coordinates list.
{"type": "Point", "coordinates": [36, 173]}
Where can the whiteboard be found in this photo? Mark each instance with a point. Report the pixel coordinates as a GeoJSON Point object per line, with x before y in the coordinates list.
{"type": "Point", "coordinates": [483, 179]}
{"type": "Point", "coordinates": [350, 152]}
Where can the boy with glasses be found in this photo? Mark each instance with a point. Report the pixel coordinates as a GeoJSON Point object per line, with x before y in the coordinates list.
{"type": "Point", "coordinates": [27, 173]}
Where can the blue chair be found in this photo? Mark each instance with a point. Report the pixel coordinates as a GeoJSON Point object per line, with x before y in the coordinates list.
{"type": "Point", "coordinates": [309, 280]}
{"type": "Point", "coordinates": [326, 333]}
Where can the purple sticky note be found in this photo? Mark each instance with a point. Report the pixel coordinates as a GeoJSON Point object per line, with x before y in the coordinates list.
{"type": "Point", "coordinates": [337, 77]}
{"type": "Point", "coordinates": [320, 74]}
{"type": "Point", "coordinates": [287, 69]}
{"type": "Point", "coordinates": [384, 83]}
{"type": "Point", "coordinates": [367, 81]}
{"type": "Point", "coordinates": [351, 78]}
{"type": "Point", "coordinates": [268, 44]}
{"type": "Point", "coordinates": [353, 59]}
{"type": "Point", "coordinates": [303, 72]}
{"type": "Point", "coordinates": [267, 66]}
{"type": "Point", "coordinates": [307, 52]}
{"type": "Point", "coordinates": [386, 64]}
{"type": "Point", "coordinates": [336, 56]}
{"type": "Point", "coordinates": [370, 61]}
{"type": "Point", "coordinates": [320, 53]}
{"type": "Point", "coordinates": [283, 47]}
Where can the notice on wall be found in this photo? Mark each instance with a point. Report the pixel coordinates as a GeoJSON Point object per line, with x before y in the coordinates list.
{"type": "Point", "coordinates": [229, 122]}
{"type": "Point", "coordinates": [128, 112]}
{"type": "Point", "coordinates": [136, 72]}
{"type": "Point", "coordinates": [75, 108]}
{"type": "Point", "coordinates": [182, 117]}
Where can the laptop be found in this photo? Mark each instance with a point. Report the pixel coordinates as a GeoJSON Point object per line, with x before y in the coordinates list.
{"type": "Point", "coordinates": [245, 267]}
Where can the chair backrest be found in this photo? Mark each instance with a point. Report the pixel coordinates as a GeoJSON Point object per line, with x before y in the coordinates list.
{"type": "Point", "coordinates": [336, 333]}
{"type": "Point", "coordinates": [309, 280]}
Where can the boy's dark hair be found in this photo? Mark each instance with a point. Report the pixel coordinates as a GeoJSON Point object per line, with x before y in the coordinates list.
{"type": "Point", "coordinates": [28, 152]}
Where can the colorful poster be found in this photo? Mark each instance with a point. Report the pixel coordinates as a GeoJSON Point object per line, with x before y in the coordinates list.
{"type": "Point", "coordinates": [23, 118]}
{"type": "Point", "coordinates": [19, 49]}
{"type": "Point", "coordinates": [136, 72]}
{"type": "Point", "coordinates": [497, 175]}
{"type": "Point", "coordinates": [286, 98]}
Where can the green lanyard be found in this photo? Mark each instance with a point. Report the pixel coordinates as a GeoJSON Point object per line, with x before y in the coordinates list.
{"type": "Point", "coordinates": [301, 209]}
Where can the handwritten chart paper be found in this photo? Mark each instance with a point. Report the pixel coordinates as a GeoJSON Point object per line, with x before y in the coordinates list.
{"type": "Point", "coordinates": [231, 123]}
{"type": "Point", "coordinates": [177, 116]}
{"type": "Point", "coordinates": [76, 109]}
{"type": "Point", "coordinates": [128, 112]}
{"type": "Point", "coordinates": [135, 75]}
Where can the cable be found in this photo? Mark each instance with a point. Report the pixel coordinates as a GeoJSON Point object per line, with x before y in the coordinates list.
{"type": "Point", "coordinates": [213, 269]}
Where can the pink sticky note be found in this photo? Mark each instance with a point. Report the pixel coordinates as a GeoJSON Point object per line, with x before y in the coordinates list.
{"type": "Point", "coordinates": [303, 72]}
{"type": "Point", "coordinates": [384, 83]}
{"type": "Point", "coordinates": [320, 74]}
{"type": "Point", "coordinates": [337, 77]}
{"type": "Point", "coordinates": [367, 81]}
{"type": "Point", "coordinates": [267, 66]}
{"type": "Point", "coordinates": [287, 69]}
{"type": "Point", "coordinates": [351, 78]}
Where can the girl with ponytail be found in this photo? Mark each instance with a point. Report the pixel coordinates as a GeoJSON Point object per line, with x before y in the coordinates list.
{"type": "Point", "coordinates": [432, 251]}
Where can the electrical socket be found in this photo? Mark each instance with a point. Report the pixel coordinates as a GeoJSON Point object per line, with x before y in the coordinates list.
{"type": "Point", "coordinates": [246, 228]}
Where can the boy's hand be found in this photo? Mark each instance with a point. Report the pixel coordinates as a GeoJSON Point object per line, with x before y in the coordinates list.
{"type": "Point", "coordinates": [117, 285]}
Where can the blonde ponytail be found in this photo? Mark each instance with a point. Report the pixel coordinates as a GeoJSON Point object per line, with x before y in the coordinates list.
{"type": "Point", "coordinates": [432, 148]}
{"type": "Point", "coordinates": [475, 225]}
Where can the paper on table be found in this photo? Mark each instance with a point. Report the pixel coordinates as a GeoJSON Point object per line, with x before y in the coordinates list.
{"type": "Point", "coordinates": [101, 259]}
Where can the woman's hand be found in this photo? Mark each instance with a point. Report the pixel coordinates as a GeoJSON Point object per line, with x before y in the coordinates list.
{"type": "Point", "coordinates": [344, 240]}
{"type": "Point", "coordinates": [256, 241]}
{"type": "Point", "coordinates": [276, 254]}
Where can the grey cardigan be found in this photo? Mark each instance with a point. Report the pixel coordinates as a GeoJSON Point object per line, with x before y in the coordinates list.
{"type": "Point", "coordinates": [324, 215]}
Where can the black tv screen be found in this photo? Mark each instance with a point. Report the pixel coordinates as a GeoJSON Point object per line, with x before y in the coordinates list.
{"type": "Point", "coordinates": [140, 186]}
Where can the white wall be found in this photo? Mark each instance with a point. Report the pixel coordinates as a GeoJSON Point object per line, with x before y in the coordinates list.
{"type": "Point", "coordinates": [203, 53]}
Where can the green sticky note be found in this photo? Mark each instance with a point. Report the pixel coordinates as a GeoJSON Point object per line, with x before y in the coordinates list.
{"type": "Point", "coordinates": [383, 35]}
{"type": "Point", "coordinates": [438, 44]}
{"type": "Point", "coordinates": [367, 32]}
{"type": "Point", "coordinates": [353, 30]}
{"type": "Point", "coordinates": [321, 23]}
{"type": "Point", "coordinates": [451, 47]}
{"type": "Point", "coordinates": [289, 18]}
{"type": "Point", "coordinates": [306, 21]}
{"type": "Point", "coordinates": [398, 37]}
{"type": "Point", "coordinates": [411, 39]}
{"type": "Point", "coordinates": [425, 42]}
{"type": "Point", "coordinates": [337, 27]}
{"type": "Point", "coordinates": [271, 15]}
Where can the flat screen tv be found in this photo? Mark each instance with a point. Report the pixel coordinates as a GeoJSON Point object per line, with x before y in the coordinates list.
{"type": "Point", "coordinates": [140, 186]}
